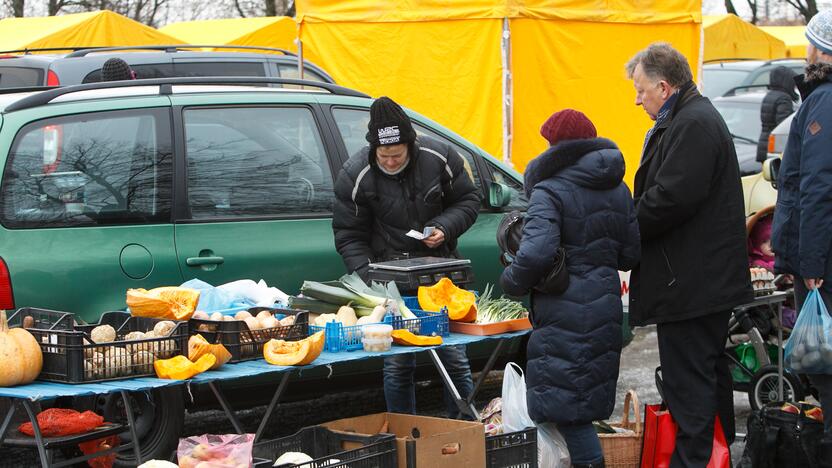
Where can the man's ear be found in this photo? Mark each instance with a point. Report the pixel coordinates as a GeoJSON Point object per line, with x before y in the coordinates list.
{"type": "Point", "coordinates": [667, 90]}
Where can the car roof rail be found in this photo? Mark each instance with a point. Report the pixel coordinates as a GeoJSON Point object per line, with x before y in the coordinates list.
{"type": "Point", "coordinates": [43, 49]}
{"type": "Point", "coordinates": [783, 59]}
{"type": "Point", "coordinates": [727, 59]}
{"type": "Point", "coordinates": [166, 85]}
{"type": "Point", "coordinates": [733, 91]}
{"type": "Point", "coordinates": [173, 48]}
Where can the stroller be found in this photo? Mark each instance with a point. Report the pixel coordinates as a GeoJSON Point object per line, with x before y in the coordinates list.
{"type": "Point", "coordinates": [753, 342]}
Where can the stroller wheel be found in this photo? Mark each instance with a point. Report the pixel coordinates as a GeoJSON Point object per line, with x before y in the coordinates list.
{"type": "Point", "coordinates": [763, 387]}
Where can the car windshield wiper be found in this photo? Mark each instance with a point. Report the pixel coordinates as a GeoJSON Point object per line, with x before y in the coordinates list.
{"type": "Point", "coordinates": [742, 138]}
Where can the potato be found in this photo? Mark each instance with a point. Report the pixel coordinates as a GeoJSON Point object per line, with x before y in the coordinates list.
{"type": "Point", "coordinates": [269, 322]}
{"type": "Point", "coordinates": [216, 316]}
{"type": "Point", "coordinates": [263, 314]}
{"type": "Point", "coordinates": [242, 315]}
{"type": "Point", "coordinates": [164, 328]}
{"type": "Point", "coordinates": [200, 314]}
{"type": "Point", "coordinates": [253, 323]}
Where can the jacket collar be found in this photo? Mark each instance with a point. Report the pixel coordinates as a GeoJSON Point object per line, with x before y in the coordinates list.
{"type": "Point", "coordinates": [558, 157]}
{"type": "Point", "coordinates": [686, 93]}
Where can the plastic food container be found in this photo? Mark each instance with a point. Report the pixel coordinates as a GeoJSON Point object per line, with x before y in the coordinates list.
{"type": "Point", "coordinates": [377, 344]}
{"type": "Point", "coordinates": [377, 331]}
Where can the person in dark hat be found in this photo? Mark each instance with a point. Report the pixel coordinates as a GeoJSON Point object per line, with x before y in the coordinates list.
{"type": "Point", "coordinates": [397, 183]}
{"type": "Point", "coordinates": [116, 69]}
{"type": "Point", "coordinates": [578, 201]}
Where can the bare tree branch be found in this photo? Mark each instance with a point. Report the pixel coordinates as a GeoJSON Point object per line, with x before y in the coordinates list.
{"type": "Point", "coordinates": [806, 8]}
{"type": "Point", "coordinates": [729, 7]}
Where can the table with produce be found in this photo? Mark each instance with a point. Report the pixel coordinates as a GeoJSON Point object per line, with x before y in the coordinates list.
{"type": "Point", "coordinates": [204, 334]}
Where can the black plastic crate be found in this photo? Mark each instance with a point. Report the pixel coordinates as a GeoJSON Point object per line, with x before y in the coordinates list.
{"type": "Point", "coordinates": [70, 355]}
{"type": "Point", "coordinates": [42, 319]}
{"type": "Point", "coordinates": [245, 344]}
{"type": "Point", "coordinates": [322, 444]}
{"type": "Point", "coordinates": [512, 450]}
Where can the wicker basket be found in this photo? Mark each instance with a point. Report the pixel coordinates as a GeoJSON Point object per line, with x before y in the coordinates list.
{"type": "Point", "coordinates": [623, 450]}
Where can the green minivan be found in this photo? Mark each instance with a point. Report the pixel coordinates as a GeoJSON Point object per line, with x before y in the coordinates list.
{"type": "Point", "coordinates": [110, 186]}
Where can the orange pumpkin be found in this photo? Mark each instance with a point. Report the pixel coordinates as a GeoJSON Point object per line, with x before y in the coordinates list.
{"type": "Point", "coordinates": [461, 304]}
{"type": "Point", "coordinates": [294, 353]}
{"type": "Point", "coordinates": [181, 368]}
{"type": "Point", "coordinates": [408, 338]}
{"type": "Point", "coordinates": [198, 346]}
{"type": "Point", "coordinates": [20, 354]}
{"type": "Point", "coordinates": [171, 303]}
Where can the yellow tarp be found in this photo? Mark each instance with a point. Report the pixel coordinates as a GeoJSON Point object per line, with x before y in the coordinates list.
{"type": "Point", "coordinates": [97, 28]}
{"type": "Point", "coordinates": [793, 36]}
{"type": "Point", "coordinates": [729, 37]}
{"type": "Point", "coordinates": [443, 59]}
{"type": "Point", "coordinates": [272, 31]}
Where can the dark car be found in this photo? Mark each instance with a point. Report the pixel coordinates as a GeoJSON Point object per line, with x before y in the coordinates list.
{"type": "Point", "coordinates": [84, 65]}
{"type": "Point", "coordinates": [719, 78]}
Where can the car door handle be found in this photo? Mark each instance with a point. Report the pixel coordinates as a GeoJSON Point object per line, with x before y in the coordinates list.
{"type": "Point", "coordinates": [199, 261]}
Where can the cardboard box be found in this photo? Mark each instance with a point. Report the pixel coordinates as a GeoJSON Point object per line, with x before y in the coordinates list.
{"type": "Point", "coordinates": [427, 442]}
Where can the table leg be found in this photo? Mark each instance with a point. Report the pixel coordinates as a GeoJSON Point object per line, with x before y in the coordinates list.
{"type": "Point", "coordinates": [7, 421]}
{"type": "Point", "coordinates": [226, 407]}
{"type": "Point", "coordinates": [45, 460]}
{"type": "Point", "coordinates": [131, 423]}
{"type": "Point", "coordinates": [275, 398]}
{"type": "Point", "coordinates": [464, 406]}
{"type": "Point", "coordinates": [486, 370]}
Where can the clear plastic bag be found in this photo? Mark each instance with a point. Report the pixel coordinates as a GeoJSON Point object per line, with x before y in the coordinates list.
{"type": "Point", "coordinates": [809, 349]}
{"type": "Point", "coordinates": [215, 451]}
{"type": "Point", "coordinates": [551, 448]}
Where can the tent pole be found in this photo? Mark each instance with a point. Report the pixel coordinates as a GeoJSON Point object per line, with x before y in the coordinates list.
{"type": "Point", "coordinates": [505, 49]}
{"type": "Point", "coordinates": [300, 58]}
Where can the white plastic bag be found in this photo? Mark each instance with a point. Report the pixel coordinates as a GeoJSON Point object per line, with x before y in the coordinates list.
{"type": "Point", "coordinates": [259, 294]}
{"type": "Point", "coordinates": [551, 448]}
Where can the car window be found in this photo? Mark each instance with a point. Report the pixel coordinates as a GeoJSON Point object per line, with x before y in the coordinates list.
{"type": "Point", "coordinates": [519, 201]}
{"type": "Point", "coordinates": [762, 78]}
{"type": "Point", "coordinates": [742, 118]}
{"type": "Point", "coordinates": [90, 169]}
{"type": "Point", "coordinates": [255, 161]}
{"type": "Point", "coordinates": [352, 125]}
{"type": "Point", "coordinates": [291, 71]}
{"type": "Point", "coordinates": [168, 70]}
{"type": "Point", "coordinates": [717, 81]}
{"type": "Point", "coordinates": [16, 77]}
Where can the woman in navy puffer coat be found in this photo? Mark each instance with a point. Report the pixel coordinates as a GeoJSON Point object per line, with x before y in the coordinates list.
{"type": "Point", "coordinates": [577, 200]}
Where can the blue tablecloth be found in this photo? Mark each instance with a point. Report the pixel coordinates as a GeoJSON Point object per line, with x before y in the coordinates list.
{"type": "Point", "coordinates": [49, 390]}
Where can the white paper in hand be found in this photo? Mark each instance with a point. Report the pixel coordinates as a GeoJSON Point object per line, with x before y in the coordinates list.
{"type": "Point", "coordinates": [421, 235]}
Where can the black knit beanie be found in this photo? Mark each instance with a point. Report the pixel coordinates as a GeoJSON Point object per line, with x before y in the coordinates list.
{"type": "Point", "coordinates": [389, 125]}
{"type": "Point", "coordinates": [116, 69]}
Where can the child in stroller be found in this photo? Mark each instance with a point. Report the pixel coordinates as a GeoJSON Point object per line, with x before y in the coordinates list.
{"type": "Point", "coordinates": [753, 343]}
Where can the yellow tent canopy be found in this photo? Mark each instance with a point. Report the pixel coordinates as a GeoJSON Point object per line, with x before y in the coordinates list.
{"type": "Point", "coordinates": [271, 31]}
{"type": "Point", "coordinates": [730, 37]}
{"type": "Point", "coordinates": [97, 28]}
{"type": "Point", "coordinates": [793, 36]}
{"type": "Point", "coordinates": [494, 70]}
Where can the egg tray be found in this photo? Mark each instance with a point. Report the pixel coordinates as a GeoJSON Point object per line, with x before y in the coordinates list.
{"type": "Point", "coordinates": [69, 352]}
{"type": "Point", "coordinates": [245, 344]}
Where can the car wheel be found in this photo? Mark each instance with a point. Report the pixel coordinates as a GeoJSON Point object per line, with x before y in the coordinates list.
{"type": "Point", "coordinates": [159, 417]}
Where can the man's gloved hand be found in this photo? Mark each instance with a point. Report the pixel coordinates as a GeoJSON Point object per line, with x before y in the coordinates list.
{"type": "Point", "coordinates": [435, 240]}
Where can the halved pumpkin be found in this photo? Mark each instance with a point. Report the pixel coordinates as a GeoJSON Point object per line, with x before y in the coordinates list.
{"type": "Point", "coordinates": [198, 346]}
{"type": "Point", "coordinates": [461, 304]}
{"type": "Point", "coordinates": [169, 302]}
{"type": "Point", "coordinates": [408, 338]}
{"type": "Point", "coordinates": [181, 368]}
{"type": "Point", "coordinates": [294, 353]}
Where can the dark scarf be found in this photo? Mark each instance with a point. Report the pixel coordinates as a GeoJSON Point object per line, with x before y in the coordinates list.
{"type": "Point", "coordinates": [664, 113]}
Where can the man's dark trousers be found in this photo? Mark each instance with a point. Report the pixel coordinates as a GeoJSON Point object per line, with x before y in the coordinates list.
{"type": "Point", "coordinates": [696, 384]}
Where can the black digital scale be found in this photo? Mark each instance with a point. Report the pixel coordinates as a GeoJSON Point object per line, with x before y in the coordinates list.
{"type": "Point", "coordinates": [411, 273]}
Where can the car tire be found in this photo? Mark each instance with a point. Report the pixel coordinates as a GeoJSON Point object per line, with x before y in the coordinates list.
{"type": "Point", "coordinates": [159, 418]}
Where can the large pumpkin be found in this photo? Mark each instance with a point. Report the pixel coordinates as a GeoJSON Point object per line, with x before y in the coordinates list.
{"type": "Point", "coordinates": [20, 354]}
{"type": "Point", "coordinates": [294, 353]}
{"type": "Point", "coordinates": [461, 304]}
{"type": "Point", "coordinates": [198, 346]}
{"type": "Point", "coordinates": [171, 303]}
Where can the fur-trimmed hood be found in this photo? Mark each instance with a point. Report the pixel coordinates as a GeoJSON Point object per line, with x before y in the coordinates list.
{"type": "Point", "coordinates": [594, 163]}
{"type": "Point", "coordinates": [816, 74]}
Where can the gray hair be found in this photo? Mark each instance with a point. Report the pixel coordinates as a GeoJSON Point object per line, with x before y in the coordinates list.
{"type": "Point", "coordinates": [660, 61]}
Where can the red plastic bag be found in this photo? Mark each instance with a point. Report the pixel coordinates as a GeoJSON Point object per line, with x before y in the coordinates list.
{"type": "Point", "coordinates": [98, 445]}
{"type": "Point", "coordinates": [660, 440]}
{"type": "Point", "coordinates": [56, 422]}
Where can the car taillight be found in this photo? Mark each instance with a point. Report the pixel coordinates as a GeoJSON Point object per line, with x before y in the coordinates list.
{"type": "Point", "coordinates": [52, 79]}
{"type": "Point", "coordinates": [52, 140]}
{"type": "Point", "coordinates": [771, 143]}
{"type": "Point", "coordinates": [6, 295]}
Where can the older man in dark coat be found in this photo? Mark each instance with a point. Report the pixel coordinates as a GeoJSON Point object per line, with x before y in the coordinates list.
{"type": "Point", "coordinates": [694, 266]}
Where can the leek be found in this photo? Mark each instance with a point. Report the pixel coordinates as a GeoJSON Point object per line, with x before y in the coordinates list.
{"type": "Point", "coordinates": [376, 291]}
{"type": "Point", "coordinates": [498, 310]}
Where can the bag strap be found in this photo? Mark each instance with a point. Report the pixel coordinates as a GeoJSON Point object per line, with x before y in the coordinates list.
{"type": "Point", "coordinates": [658, 378]}
{"type": "Point", "coordinates": [631, 400]}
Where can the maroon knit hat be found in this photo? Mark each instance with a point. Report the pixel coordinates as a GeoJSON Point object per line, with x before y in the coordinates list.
{"type": "Point", "coordinates": [567, 124]}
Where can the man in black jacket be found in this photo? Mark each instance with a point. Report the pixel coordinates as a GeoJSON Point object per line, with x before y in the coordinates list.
{"type": "Point", "coordinates": [396, 184]}
{"type": "Point", "coordinates": [777, 105]}
{"type": "Point", "coordinates": [694, 264]}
